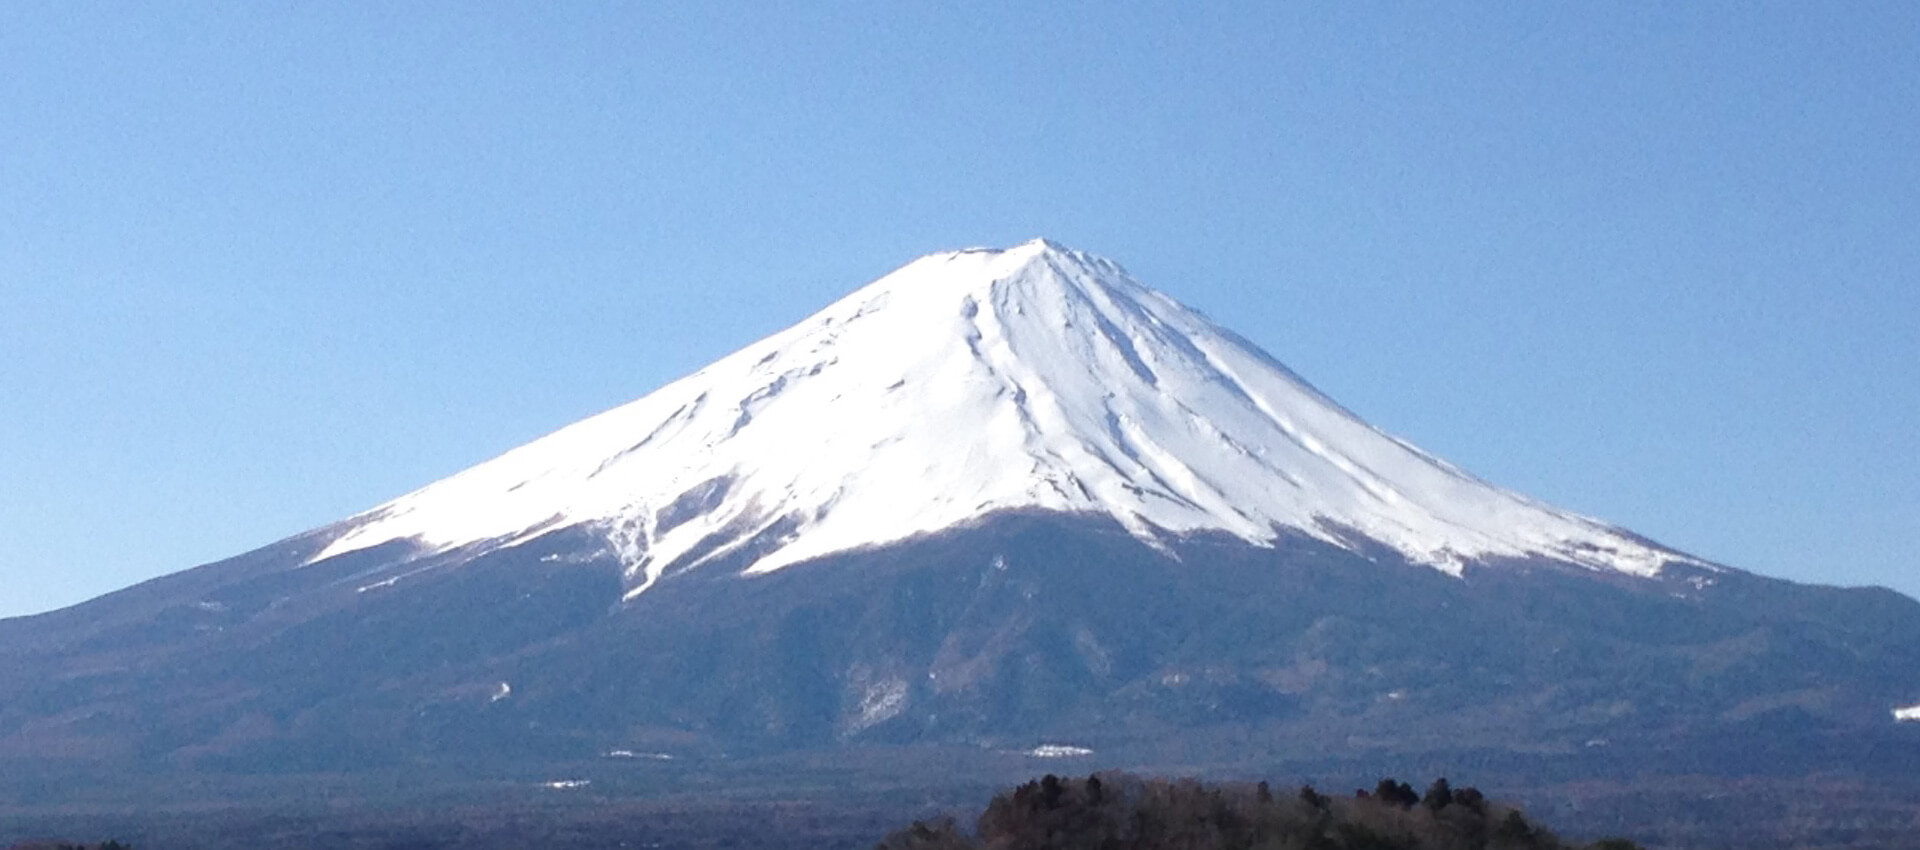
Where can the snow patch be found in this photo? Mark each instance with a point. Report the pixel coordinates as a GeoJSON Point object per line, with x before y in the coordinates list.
{"type": "Point", "coordinates": [565, 784]}
{"type": "Point", "coordinates": [1909, 714]}
{"type": "Point", "coordinates": [882, 701]}
{"type": "Point", "coordinates": [500, 692]}
{"type": "Point", "coordinates": [630, 754]}
{"type": "Point", "coordinates": [390, 581]}
{"type": "Point", "coordinates": [1058, 751]}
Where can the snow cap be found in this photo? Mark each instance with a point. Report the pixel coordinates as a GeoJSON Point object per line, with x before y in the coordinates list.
{"type": "Point", "coordinates": [970, 382]}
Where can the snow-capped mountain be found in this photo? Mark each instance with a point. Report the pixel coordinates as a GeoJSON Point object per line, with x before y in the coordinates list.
{"type": "Point", "coordinates": [1001, 504]}
{"type": "Point", "coordinates": [978, 381]}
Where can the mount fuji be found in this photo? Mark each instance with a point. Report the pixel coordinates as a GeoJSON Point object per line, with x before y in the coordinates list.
{"type": "Point", "coordinates": [997, 501]}
{"type": "Point", "coordinates": [976, 382]}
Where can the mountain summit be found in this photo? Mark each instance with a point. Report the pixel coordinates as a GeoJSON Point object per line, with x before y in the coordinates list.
{"type": "Point", "coordinates": [974, 382]}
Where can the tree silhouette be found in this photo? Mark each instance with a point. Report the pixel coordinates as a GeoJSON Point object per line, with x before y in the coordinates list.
{"type": "Point", "coordinates": [1117, 811]}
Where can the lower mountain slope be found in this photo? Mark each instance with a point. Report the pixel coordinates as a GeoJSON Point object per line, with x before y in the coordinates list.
{"type": "Point", "coordinates": [1022, 630]}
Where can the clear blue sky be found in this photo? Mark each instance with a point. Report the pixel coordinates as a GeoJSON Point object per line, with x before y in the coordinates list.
{"type": "Point", "coordinates": [263, 265]}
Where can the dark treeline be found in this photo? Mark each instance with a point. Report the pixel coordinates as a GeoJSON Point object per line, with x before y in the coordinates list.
{"type": "Point", "coordinates": [1117, 811]}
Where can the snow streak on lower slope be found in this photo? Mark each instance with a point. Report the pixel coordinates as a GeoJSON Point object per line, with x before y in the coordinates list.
{"type": "Point", "coordinates": [972, 382]}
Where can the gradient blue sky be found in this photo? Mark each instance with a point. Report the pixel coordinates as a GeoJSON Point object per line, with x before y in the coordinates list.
{"type": "Point", "coordinates": [263, 265]}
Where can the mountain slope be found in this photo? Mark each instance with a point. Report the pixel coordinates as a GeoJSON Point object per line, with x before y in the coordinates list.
{"type": "Point", "coordinates": [1025, 629]}
{"type": "Point", "coordinates": [979, 381]}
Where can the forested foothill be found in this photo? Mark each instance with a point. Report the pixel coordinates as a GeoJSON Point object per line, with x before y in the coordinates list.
{"type": "Point", "coordinates": [1118, 811]}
